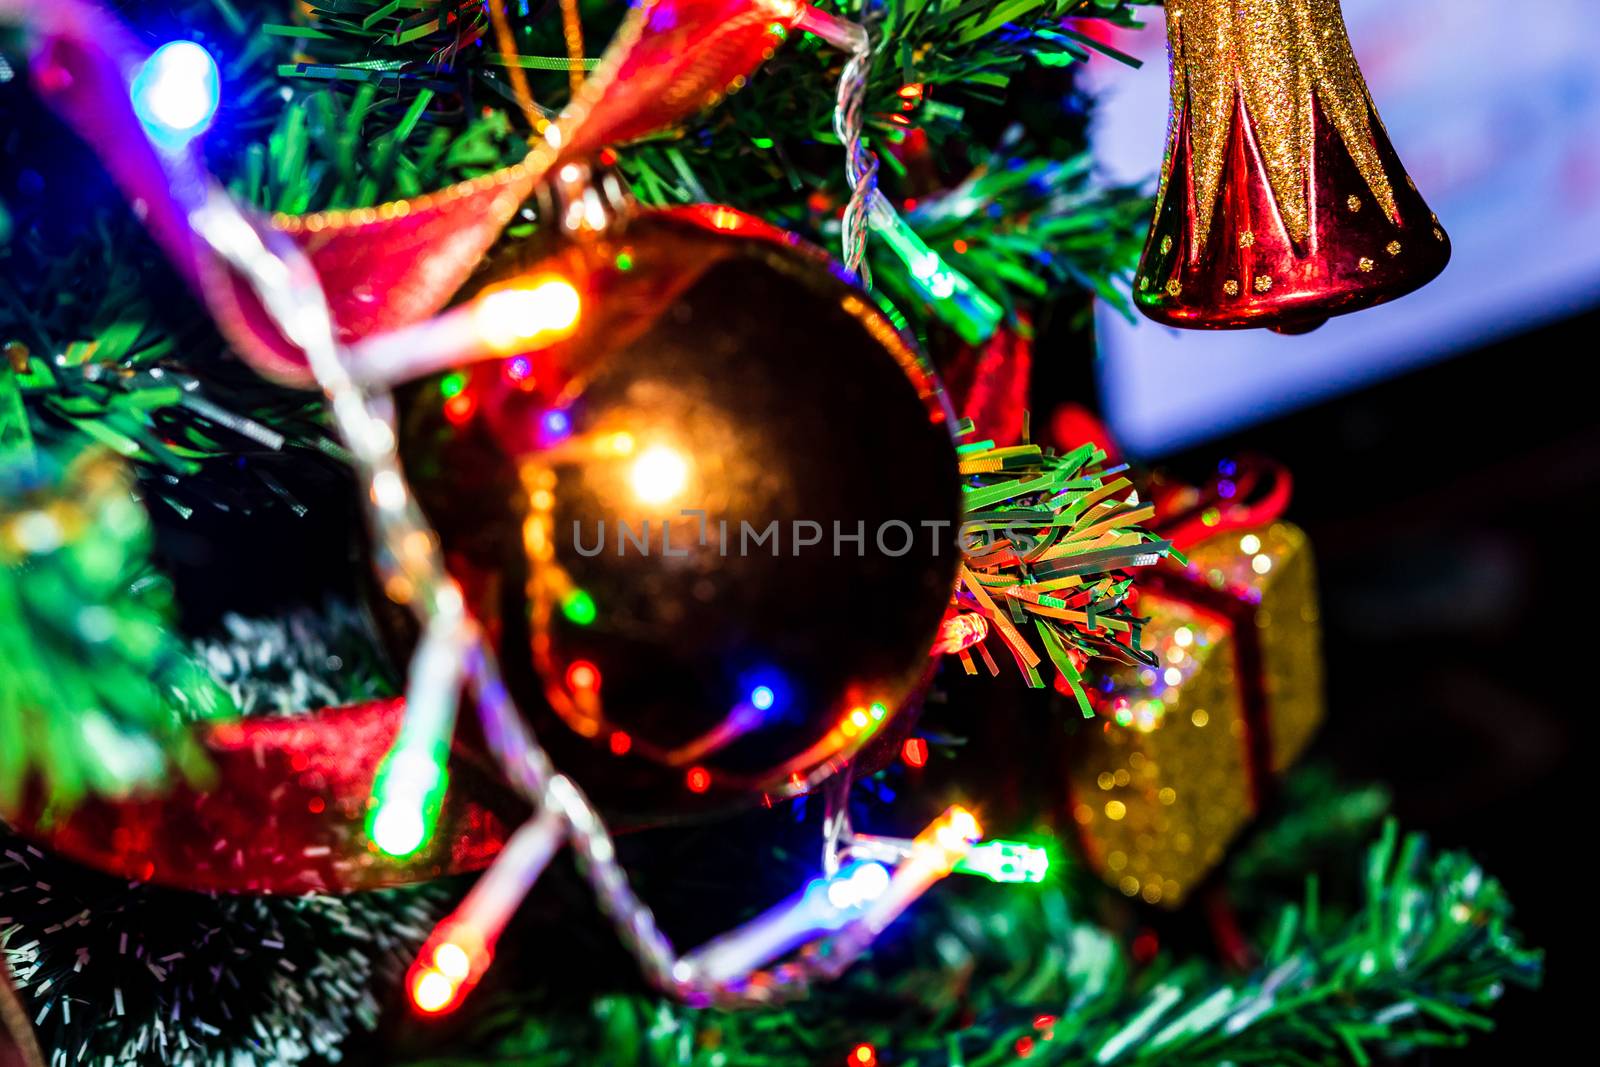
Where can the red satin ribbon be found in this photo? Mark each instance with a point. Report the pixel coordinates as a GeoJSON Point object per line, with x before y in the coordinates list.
{"type": "Point", "coordinates": [398, 263]}
{"type": "Point", "coordinates": [285, 814]}
{"type": "Point", "coordinates": [989, 385]}
{"type": "Point", "coordinates": [1256, 492]}
{"type": "Point", "coordinates": [18, 1045]}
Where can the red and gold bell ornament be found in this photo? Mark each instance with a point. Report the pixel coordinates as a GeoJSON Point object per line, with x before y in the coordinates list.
{"type": "Point", "coordinates": [1281, 200]}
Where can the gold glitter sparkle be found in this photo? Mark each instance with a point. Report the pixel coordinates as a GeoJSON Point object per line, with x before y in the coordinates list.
{"type": "Point", "coordinates": [1284, 57]}
{"type": "Point", "coordinates": [1438, 234]}
{"type": "Point", "coordinates": [1393, 248]}
{"type": "Point", "coordinates": [1166, 245]}
{"type": "Point", "coordinates": [1174, 287]}
{"type": "Point", "coordinates": [1247, 239]}
{"type": "Point", "coordinates": [1144, 283]}
{"type": "Point", "coordinates": [1230, 287]}
{"type": "Point", "coordinates": [1366, 264]}
{"type": "Point", "coordinates": [1263, 282]}
{"type": "Point", "coordinates": [1353, 202]}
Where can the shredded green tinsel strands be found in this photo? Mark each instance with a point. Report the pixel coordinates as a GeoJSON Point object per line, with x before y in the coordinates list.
{"type": "Point", "coordinates": [1046, 538]}
{"type": "Point", "coordinates": [128, 975]}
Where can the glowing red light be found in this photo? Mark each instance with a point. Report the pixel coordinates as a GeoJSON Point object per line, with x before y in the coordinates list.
{"type": "Point", "coordinates": [960, 247]}
{"type": "Point", "coordinates": [432, 992]}
{"type": "Point", "coordinates": [459, 408]}
{"type": "Point", "coordinates": [1043, 1022]}
{"type": "Point", "coordinates": [620, 743]}
{"type": "Point", "coordinates": [1024, 1047]}
{"type": "Point", "coordinates": [698, 779]}
{"type": "Point", "coordinates": [583, 676]}
{"type": "Point", "coordinates": [863, 1055]}
{"type": "Point", "coordinates": [914, 752]}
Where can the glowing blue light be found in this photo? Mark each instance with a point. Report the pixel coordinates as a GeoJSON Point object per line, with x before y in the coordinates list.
{"type": "Point", "coordinates": [857, 886]}
{"type": "Point", "coordinates": [556, 423]}
{"type": "Point", "coordinates": [175, 93]}
{"type": "Point", "coordinates": [766, 691]}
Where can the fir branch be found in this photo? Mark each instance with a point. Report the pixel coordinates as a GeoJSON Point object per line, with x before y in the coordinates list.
{"type": "Point", "coordinates": [1003, 973]}
{"type": "Point", "coordinates": [387, 102]}
{"type": "Point", "coordinates": [122, 973]}
{"type": "Point", "coordinates": [1320, 816]}
{"type": "Point", "coordinates": [94, 358]}
{"type": "Point", "coordinates": [299, 663]}
{"type": "Point", "coordinates": [1024, 228]}
{"type": "Point", "coordinates": [90, 670]}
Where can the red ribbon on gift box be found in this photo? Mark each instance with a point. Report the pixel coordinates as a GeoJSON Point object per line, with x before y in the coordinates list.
{"type": "Point", "coordinates": [1245, 494]}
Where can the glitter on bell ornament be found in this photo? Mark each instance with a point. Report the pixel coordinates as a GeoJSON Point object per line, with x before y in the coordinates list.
{"type": "Point", "coordinates": [1281, 200]}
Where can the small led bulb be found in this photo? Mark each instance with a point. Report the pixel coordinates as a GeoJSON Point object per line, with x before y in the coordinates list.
{"type": "Point", "coordinates": [175, 93]}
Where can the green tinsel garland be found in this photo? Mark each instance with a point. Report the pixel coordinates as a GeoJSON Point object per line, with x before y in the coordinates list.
{"type": "Point", "coordinates": [989, 975]}
{"type": "Point", "coordinates": [127, 975]}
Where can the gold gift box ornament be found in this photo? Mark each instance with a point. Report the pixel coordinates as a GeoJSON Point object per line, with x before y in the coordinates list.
{"type": "Point", "coordinates": [1185, 753]}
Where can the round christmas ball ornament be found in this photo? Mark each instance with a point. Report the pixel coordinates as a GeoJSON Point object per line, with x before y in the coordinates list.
{"type": "Point", "coordinates": [667, 503]}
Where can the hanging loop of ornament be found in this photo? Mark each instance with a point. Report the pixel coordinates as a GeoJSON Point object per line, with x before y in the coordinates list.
{"type": "Point", "coordinates": [861, 165]}
{"type": "Point", "coordinates": [584, 200]}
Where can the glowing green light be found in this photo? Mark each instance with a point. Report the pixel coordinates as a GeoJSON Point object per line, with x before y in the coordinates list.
{"type": "Point", "coordinates": [972, 313]}
{"type": "Point", "coordinates": [878, 711]}
{"type": "Point", "coordinates": [624, 262]}
{"type": "Point", "coordinates": [397, 830]}
{"type": "Point", "coordinates": [408, 794]}
{"type": "Point", "coordinates": [452, 384]}
{"type": "Point", "coordinates": [761, 142]}
{"type": "Point", "coordinates": [1006, 862]}
{"type": "Point", "coordinates": [578, 607]}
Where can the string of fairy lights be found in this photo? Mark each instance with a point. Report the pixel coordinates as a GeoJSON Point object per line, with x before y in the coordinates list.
{"type": "Point", "coordinates": [867, 881]}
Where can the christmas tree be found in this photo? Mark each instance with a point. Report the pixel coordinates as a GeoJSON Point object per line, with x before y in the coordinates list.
{"type": "Point", "coordinates": [410, 404]}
